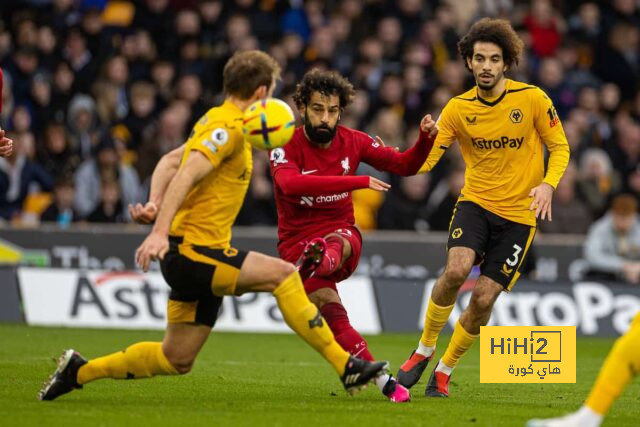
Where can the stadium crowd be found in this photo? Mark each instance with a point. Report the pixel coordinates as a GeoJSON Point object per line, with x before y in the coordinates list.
{"type": "Point", "coordinates": [96, 91]}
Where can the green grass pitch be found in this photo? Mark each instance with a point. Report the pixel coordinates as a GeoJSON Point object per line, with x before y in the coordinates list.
{"type": "Point", "coordinates": [273, 380]}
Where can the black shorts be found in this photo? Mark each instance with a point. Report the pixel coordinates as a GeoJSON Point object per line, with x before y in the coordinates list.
{"type": "Point", "coordinates": [199, 276]}
{"type": "Point", "coordinates": [501, 245]}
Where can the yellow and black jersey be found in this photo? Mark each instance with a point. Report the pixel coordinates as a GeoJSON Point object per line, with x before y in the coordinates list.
{"type": "Point", "coordinates": [501, 142]}
{"type": "Point", "coordinates": [210, 209]}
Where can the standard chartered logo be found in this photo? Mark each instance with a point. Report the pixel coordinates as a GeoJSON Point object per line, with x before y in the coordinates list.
{"type": "Point", "coordinates": [501, 142]}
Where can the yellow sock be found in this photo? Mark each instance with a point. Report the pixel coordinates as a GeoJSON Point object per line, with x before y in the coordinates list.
{"type": "Point", "coordinates": [460, 342]}
{"type": "Point", "coordinates": [140, 360]}
{"type": "Point", "coordinates": [434, 320]}
{"type": "Point", "coordinates": [622, 363]}
{"type": "Point", "coordinates": [305, 319]}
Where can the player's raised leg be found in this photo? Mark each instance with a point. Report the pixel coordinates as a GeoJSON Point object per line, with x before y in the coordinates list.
{"type": "Point", "coordinates": [174, 355]}
{"type": "Point", "coordinates": [320, 259]}
{"type": "Point", "coordinates": [441, 302]}
{"type": "Point", "coordinates": [267, 274]}
{"type": "Point", "coordinates": [326, 298]}
{"type": "Point", "coordinates": [619, 368]}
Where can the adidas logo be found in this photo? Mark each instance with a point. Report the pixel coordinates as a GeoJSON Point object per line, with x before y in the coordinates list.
{"type": "Point", "coordinates": [352, 378]}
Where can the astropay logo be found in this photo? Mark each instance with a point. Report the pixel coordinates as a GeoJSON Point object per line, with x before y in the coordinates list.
{"type": "Point", "coordinates": [500, 142]}
{"type": "Point", "coordinates": [93, 298]}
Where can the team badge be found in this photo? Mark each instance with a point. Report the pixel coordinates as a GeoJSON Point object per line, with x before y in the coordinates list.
{"type": "Point", "coordinates": [515, 115]}
{"type": "Point", "coordinates": [219, 136]}
{"type": "Point", "coordinates": [456, 233]}
{"type": "Point", "coordinates": [277, 156]}
{"type": "Point", "coordinates": [506, 270]}
{"type": "Point", "coordinates": [230, 252]}
{"type": "Point", "coordinates": [345, 166]}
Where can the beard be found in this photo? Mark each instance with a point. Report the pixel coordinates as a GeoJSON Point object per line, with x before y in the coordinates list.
{"type": "Point", "coordinates": [491, 85]}
{"type": "Point", "coordinates": [322, 134]}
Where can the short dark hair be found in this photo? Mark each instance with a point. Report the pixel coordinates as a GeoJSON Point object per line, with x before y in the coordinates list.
{"type": "Point", "coordinates": [497, 31]}
{"type": "Point", "coordinates": [247, 71]}
{"type": "Point", "coordinates": [325, 82]}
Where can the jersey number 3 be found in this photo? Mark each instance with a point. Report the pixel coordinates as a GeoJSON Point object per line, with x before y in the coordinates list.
{"type": "Point", "coordinates": [512, 261]}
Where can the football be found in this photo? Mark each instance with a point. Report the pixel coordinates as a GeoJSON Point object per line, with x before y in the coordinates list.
{"type": "Point", "coordinates": [268, 123]}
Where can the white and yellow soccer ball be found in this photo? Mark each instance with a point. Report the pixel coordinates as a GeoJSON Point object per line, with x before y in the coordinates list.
{"type": "Point", "coordinates": [268, 123]}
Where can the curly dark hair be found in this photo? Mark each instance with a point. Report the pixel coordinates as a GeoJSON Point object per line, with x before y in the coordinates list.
{"type": "Point", "coordinates": [325, 82]}
{"type": "Point", "coordinates": [497, 31]}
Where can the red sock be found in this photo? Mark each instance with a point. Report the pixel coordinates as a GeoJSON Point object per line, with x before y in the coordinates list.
{"type": "Point", "coordinates": [332, 256]}
{"type": "Point", "coordinates": [348, 338]}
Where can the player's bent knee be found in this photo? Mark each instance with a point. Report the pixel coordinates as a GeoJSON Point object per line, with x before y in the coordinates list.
{"type": "Point", "coordinates": [181, 364]}
{"type": "Point", "coordinates": [181, 361]}
{"type": "Point", "coordinates": [456, 275]}
{"type": "Point", "coordinates": [481, 302]}
{"type": "Point", "coordinates": [282, 270]}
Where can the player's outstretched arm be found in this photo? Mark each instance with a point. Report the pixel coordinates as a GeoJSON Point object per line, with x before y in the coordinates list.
{"type": "Point", "coordinates": [293, 183]}
{"type": "Point", "coordinates": [156, 245]}
{"type": "Point", "coordinates": [6, 145]}
{"type": "Point", "coordinates": [406, 163]}
{"type": "Point", "coordinates": [164, 171]}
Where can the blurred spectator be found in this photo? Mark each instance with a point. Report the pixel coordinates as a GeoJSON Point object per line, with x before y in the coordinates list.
{"type": "Point", "coordinates": [619, 61]}
{"type": "Point", "coordinates": [84, 132]}
{"type": "Point", "coordinates": [80, 58]}
{"type": "Point", "coordinates": [89, 176]}
{"type": "Point", "coordinates": [551, 78]}
{"type": "Point", "coordinates": [115, 72]}
{"type": "Point", "coordinates": [110, 208]}
{"type": "Point", "coordinates": [162, 137]}
{"type": "Point", "coordinates": [544, 28]}
{"type": "Point", "coordinates": [570, 214]}
{"type": "Point", "coordinates": [61, 211]}
{"type": "Point", "coordinates": [442, 200]}
{"type": "Point", "coordinates": [405, 206]}
{"type": "Point", "coordinates": [259, 206]}
{"type": "Point", "coordinates": [22, 68]}
{"type": "Point", "coordinates": [598, 180]}
{"type": "Point", "coordinates": [19, 176]}
{"type": "Point", "coordinates": [612, 248]}
{"type": "Point", "coordinates": [57, 158]}
{"type": "Point", "coordinates": [143, 108]}
{"type": "Point", "coordinates": [40, 97]}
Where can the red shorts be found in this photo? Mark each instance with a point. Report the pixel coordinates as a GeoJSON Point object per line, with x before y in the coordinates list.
{"type": "Point", "coordinates": [353, 236]}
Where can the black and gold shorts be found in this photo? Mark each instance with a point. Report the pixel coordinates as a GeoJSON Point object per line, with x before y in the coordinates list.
{"type": "Point", "coordinates": [501, 245]}
{"type": "Point", "coordinates": [199, 277]}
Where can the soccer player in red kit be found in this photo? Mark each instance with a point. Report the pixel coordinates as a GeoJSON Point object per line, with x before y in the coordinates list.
{"type": "Point", "coordinates": [313, 176]}
{"type": "Point", "coordinates": [6, 144]}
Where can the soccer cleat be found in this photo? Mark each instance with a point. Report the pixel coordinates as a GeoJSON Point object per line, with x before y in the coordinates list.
{"type": "Point", "coordinates": [311, 257]}
{"type": "Point", "coordinates": [411, 370]}
{"type": "Point", "coordinates": [438, 385]}
{"type": "Point", "coordinates": [584, 417]}
{"type": "Point", "coordinates": [64, 379]}
{"type": "Point", "coordinates": [396, 392]}
{"type": "Point", "coordinates": [566, 421]}
{"type": "Point", "coordinates": [358, 373]}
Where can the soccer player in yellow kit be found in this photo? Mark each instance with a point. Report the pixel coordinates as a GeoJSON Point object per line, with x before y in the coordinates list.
{"type": "Point", "coordinates": [501, 126]}
{"type": "Point", "coordinates": [619, 368]}
{"type": "Point", "coordinates": [199, 189]}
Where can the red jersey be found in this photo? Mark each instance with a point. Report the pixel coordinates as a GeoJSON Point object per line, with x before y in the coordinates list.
{"type": "Point", "coordinates": [312, 185]}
